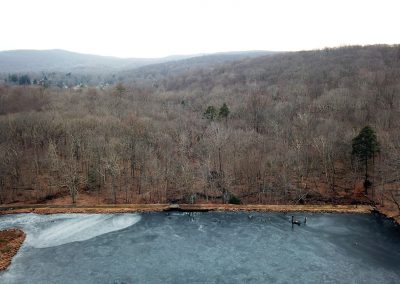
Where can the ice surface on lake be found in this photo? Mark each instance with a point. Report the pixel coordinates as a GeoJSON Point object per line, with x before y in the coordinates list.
{"type": "Point", "coordinates": [54, 230]}
{"type": "Point", "coordinates": [204, 248]}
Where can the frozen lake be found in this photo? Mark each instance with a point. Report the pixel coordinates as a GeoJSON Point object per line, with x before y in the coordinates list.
{"type": "Point", "coordinates": [204, 248]}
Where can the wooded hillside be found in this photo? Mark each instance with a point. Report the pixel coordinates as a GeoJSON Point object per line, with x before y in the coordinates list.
{"type": "Point", "coordinates": [284, 135]}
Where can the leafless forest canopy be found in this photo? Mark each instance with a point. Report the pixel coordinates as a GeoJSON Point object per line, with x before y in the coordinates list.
{"type": "Point", "coordinates": [159, 135]}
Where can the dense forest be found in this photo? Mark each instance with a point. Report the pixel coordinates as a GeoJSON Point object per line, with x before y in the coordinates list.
{"type": "Point", "coordinates": [268, 129]}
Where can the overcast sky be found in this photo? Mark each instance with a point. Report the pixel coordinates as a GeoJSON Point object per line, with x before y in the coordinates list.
{"type": "Point", "coordinates": [156, 28]}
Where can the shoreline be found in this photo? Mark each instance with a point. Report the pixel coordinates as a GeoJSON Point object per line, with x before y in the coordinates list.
{"type": "Point", "coordinates": [11, 241]}
{"type": "Point", "coordinates": [387, 213]}
{"type": "Point", "coordinates": [140, 208]}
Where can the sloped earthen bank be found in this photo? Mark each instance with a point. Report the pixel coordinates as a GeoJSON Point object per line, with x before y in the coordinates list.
{"type": "Point", "coordinates": [10, 242]}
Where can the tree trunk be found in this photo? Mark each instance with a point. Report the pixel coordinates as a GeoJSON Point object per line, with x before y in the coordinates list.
{"type": "Point", "coordinates": [114, 192]}
{"type": "Point", "coordinates": [73, 195]}
{"type": "Point", "coordinates": [220, 162]}
{"type": "Point", "coordinates": [366, 177]}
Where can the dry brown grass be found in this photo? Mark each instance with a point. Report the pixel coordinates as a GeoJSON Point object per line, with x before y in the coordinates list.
{"type": "Point", "coordinates": [279, 208]}
{"type": "Point", "coordinates": [131, 208]}
{"type": "Point", "coordinates": [10, 242]}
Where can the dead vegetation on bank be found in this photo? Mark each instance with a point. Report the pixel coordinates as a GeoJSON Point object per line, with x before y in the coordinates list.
{"type": "Point", "coordinates": [54, 209]}
{"type": "Point", "coordinates": [10, 242]}
{"type": "Point", "coordinates": [279, 208]}
{"type": "Point", "coordinates": [389, 212]}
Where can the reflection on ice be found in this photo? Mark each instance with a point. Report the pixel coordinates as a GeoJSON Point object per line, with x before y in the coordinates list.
{"type": "Point", "coordinates": [59, 229]}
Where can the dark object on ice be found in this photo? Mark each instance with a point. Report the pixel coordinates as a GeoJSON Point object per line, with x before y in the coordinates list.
{"type": "Point", "coordinates": [297, 222]}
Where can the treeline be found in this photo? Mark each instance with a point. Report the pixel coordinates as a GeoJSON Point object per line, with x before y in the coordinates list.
{"type": "Point", "coordinates": [272, 129]}
{"type": "Point", "coordinates": [60, 80]}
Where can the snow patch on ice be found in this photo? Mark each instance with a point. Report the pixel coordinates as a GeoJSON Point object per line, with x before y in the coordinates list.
{"type": "Point", "coordinates": [54, 230]}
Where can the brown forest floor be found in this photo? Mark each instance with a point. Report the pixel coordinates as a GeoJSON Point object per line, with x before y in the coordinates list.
{"type": "Point", "coordinates": [10, 242]}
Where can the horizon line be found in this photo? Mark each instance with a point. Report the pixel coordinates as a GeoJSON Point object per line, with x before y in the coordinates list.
{"type": "Point", "coordinates": [199, 53]}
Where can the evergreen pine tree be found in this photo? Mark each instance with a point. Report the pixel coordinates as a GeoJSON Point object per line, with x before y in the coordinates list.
{"type": "Point", "coordinates": [365, 146]}
{"type": "Point", "coordinates": [210, 113]}
{"type": "Point", "coordinates": [224, 111]}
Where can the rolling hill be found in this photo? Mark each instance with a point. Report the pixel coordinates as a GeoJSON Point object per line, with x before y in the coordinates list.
{"type": "Point", "coordinates": [35, 61]}
{"type": "Point", "coordinates": [16, 61]}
